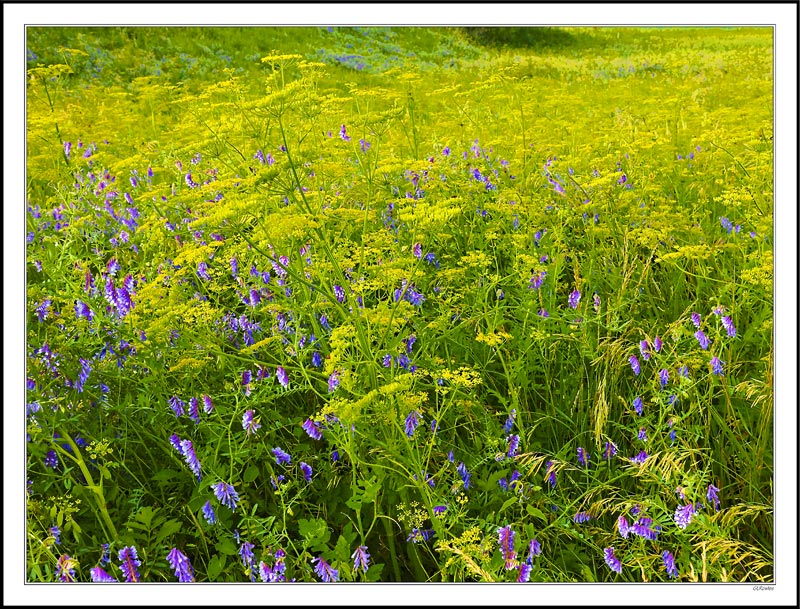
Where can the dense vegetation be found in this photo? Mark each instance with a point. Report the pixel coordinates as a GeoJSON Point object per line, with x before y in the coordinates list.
{"type": "Point", "coordinates": [368, 304]}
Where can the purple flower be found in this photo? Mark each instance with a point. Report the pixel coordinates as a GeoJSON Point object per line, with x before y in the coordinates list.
{"type": "Point", "coordinates": [644, 349]}
{"type": "Point", "coordinates": [360, 559]}
{"type": "Point", "coordinates": [623, 527]}
{"type": "Point", "coordinates": [412, 421]}
{"type": "Point", "coordinates": [365, 145]}
{"type": "Point", "coordinates": [208, 406]}
{"type": "Point", "coordinates": [609, 451]}
{"type": "Point", "coordinates": [65, 568]}
{"type": "Point", "coordinates": [194, 410]}
{"type": "Point", "coordinates": [683, 515]}
{"type": "Point", "coordinates": [225, 494]}
{"type": "Point", "coordinates": [669, 563]}
{"type": "Point", "coordinates": [465, 475]}
{"type": "Point", "coordinates": [716, 366]}
{"type": "Point", "coordinates": [129, 561]}
{"type": "Point", "coordinates": [640, 458]}
{"type": "Point", "coordinates": [414, 297]}
{"type": "Point", "coordinates": [583, 458]}
{"type": "Point", "coordinates": [181, 565]}
{"type": "Point", "coordinates": [550, 475]}
{"type": "Point", "coordinates": [702, 339]}
{"type": "Point", "coordinates": [312, 429]}
{"type": "Point", "coordinates": [612, 561]}
{"type": "Point", "coordinates": [307, 471]}
{"type": "Point", "coordinates": [51, 459]}
{"type": "Point", "coordinates": [506, 537]}
{"type": "Point", "coordinates": [177, 406]}
{"type": "Point", "coordinates": [510, 420]}
{"type": "Point", "coordinates": [250, 424]}
{"type": "Point", "coordinates": [729, 327]}
{"type": "Point", "coordinates": [712, 496]}
{"type": "Point", "coordinates": [202, 271]}
{"type": "Point", "coordinates": [417, 251]}
{"type": "Point", "coordinates": [246, 553]}
{"type": "Point", "coordinates": [534, 549]}
{"type": "Point", "coordinates": [439, 509]}
{"type": "Point", "coordinates": [99, 576]}
{"type": "Point", "coordinates": [635, 365]}
{"type": "Point", "coordinates": [282, 377]}
{"type": "Point", "coordinates": [582, 517]}
{"type": "Point", "coordinates": [343, 134]}
{"type": "Point", "coordinates": [445, 150]}
{"type": "Point", "coordinates": [338, 291]}
{"type": "Point", "coordinates": [281, 456]}
{"type": "Point", "coordinates": [657, 344]}
{"type": "Point", "coordinates": [684, 371]}
{"type": "Point", "coordinates": [56, 533]}
{"type": "Point", "coordinates": [524, 572]}
{"type": "Point", "coordinates": [642, 528]}
{"type": "Point", "coordinates": [696, 320]}
{"type": "Point", "coordinates": [323, 570]}
{"type": "Point", "coordinates": [208, 513]}
{"type": "Point", "coordinates": [333, 381]}
{"type": "Point", "coordinates": [574, 299]}
{"type": "Point", "coordinates": [513, 445]}
{"type": "Point", "coordinates": [83, 310]}
{"type": "Point", "coordinates": [191, 458]}
{"type": "Point", "coordinates": [42, 309]}
{"type": "Point", "coordinates": [638, 406]}
{"type": "Point", "coordinates": [643, 434]}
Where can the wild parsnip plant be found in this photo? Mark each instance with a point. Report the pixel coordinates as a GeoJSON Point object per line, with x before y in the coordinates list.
{"type": "Point", "coordinates": [399, 305]}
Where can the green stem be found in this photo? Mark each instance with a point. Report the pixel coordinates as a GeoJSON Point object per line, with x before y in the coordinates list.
{"type": "Point", "coordinates": [387, 527]}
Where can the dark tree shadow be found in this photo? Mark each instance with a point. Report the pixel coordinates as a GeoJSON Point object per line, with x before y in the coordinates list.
{"type": "Point", "coordinates": [521, 37]}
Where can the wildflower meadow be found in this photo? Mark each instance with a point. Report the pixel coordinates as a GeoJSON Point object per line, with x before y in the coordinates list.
{"type": "Point", "coordinates": [399, 304]}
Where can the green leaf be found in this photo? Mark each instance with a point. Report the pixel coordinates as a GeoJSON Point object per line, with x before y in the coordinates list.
{"type": "Point", "coordinates": [251, 473]}
{"type": "Point", "coordinates": [226, 546]}
{"type": "Point", "coordinates": [374, 573]}
{"type": "Point", "coordinates": [508, 503]}
{"type": "Point", "coordinates": [535, 512]}
{"type": "Point", "coordinates": [164, 474]}
{"type": "Point", "coordinates": [215, 566]}
{"type": "Point", "coordinates": [169, 527]}
{"type": "Point", "coordinates": [342, 550]}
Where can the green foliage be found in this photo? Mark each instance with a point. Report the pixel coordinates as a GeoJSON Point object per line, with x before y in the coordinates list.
{"type": "Point", "coordinates": [372, 185]}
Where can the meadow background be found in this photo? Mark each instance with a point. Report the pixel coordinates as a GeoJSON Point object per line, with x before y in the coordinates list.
{"type": "Point", "coordinates": [407, 304]}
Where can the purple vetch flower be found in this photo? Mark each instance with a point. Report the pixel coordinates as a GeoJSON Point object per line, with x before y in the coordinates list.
{"type": "Point", "coordinates": [534, 549]}
{"type": "Point", "coordinates": [83, 310]}
{"type": "Point", "coordinates": [247, 378]}
{"type": "Point", "coordinates": [316, 359]}
{"type": "Point", "coordinates": [669, 563]}
{"type": "Point", "coordinates": [281, 456]}
{"type": "Point", "coordinates": [194, 410]}
{"type": "Point", "coordinates": [202, 271]}
{"type": "Point", "coordinates": [333, 381]}
{"type": "Point", "coordinates": [246, 553]}
{"type": "Point", "coordinates": [177, 406]}
{"type": "Point", "coordinates": [643, 434]}
{"type": "Point", "coordinates": [418, 535]}
{"type": "Point", "coordinates": [683, 515]}
{"type": "Point", "coordinates": [323, 570]}
{"type": "Point", "coordinates": [623, 527]}
{"type": "Point", "coordinates": [574, 299]}
{"type": "Point", "coordinates": [128, 563]}
{"type": "Point", "coordinates": [387, 361]}
{"type": "Point", "coordinates": [412, 421]}
{"type": "Point", "coordinates": [417, 251]}
{"type": "Point", "coordinates": [51, 459]}
{"type": "Point", "coordinates": [716, 366]}
{"type": "Point", "coordinates": [712, 496]}
{"type": "Point", "coordinates": [250, 424]}
{"type": "Point", "coordinates": [524, 572]}
{"type": "Point", "coordinates": [414, 297]}
{"type": "Point", "coordinates": [513, 445]}
{"type": "Point", "coordinates": [581, 517]}
{"type": "Point", "coordinates": [65, 568]}
{"type": "Point", "coordinates": [307, 471]}
{"type": "Point", "coordinates": [191, 458]}
{"type": "Point", "coordinates": [176, 443]}
{"type": "Point", "coordinates": [338, 292]}
{"type": "Point", "coordinates": [343, 134]}
{"type": "Point", "coordinates": [644, 349]}
{"type": "Point", "coordinates": [208, 513]}
{"type": "Point", "coordinates": [208, 405]}
{"type": "Point", "coordinates": [181, 565]}
{"type": "Point", "coordinates": [56, 533]}
{"type": "Point", "coordinates": [43, 309]}
{"type": "Point", "coordinates": [536, 280]}
{"type": "Point", "coordinates": [360, 559]}
{"type": "Point", "coordinates": [638, 405]}
{"type": "Point", "coordinates": [696, 320]}
{"type": "Point", "coordinates": [657, 344]}
{"type": "Point", "coordinates": [99, 576]}
{"type": "Point", "coordinates": [583, 458]}
{"type": "Point", "coordinates": [365, 145]}
{"type": "Point", "coordinates": [282, 376]}
{"type": "Point", "coordinates": [438, 510]}
{"type": "Point", "coordinates": [225, 494]}
{"type": "Point", "coordinates": [550, 475]}
{"type": "Point", "coordinates": [510, 420]}
{"type": "Point", "coordinates": [612, 561]}
{"type": "Point", "coordinates": [543, 313]}
{"type": "Point", "coordinates": [729, 327]}
{"type": "Point", "coordinates": [702, 339]}
{"type": "Point", "coordinates": [312, 429]}
{"type": "Point", "coordinates": [465, 475]}
{"type": "Point", "coordinates": [506, 537]}
{"type": "Point", "coordinates": [635, 365]}
{"type": "Point", "coordinates": [609, 451]}
{"type": "Point", "coordinates": [640, 458]}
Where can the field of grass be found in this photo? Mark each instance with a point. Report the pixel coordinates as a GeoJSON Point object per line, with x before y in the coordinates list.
{"type": "Point", "coordinates": [399, 304]}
